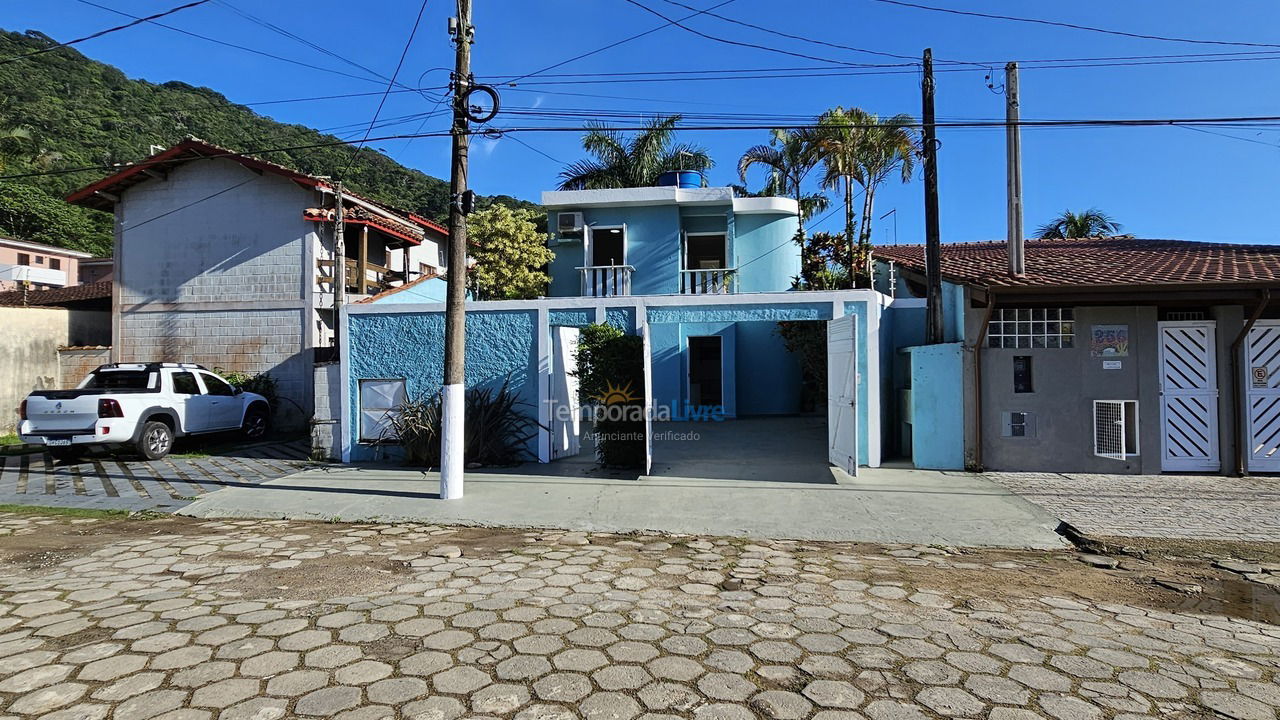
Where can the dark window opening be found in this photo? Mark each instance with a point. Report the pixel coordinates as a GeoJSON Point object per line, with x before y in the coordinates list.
{"type": "Point", "coordinates": [119, 380]}
{"type": "Point", "coordinates": [55, 264]}
{"type": "Point", "coordinates": [706, 373]}
{"type": "Point", "coordinates": [24, 259]}
{"type": "Point", "coordinates": [607, 245]}
{"type": "Point", "coordinates": [1022, 374]}
{"type": "Point", "coordinates": [185, 384]}
{"type": "Point", "coordinates": [705, 252]}
{"type": "Point", "coordinates": [217, 386]}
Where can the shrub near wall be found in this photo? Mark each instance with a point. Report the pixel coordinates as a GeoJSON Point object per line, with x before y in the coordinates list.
{"type": "Point", "coordinates": [611, 383]}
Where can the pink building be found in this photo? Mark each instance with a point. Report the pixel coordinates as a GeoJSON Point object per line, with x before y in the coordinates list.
{"type": "Point", "coordinates": [96, 270]}
{"type": "Point", "coordinates": [43, 266]}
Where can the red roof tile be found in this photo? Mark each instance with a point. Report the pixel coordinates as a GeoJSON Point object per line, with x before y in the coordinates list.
{"type": "Point", "coordinates": [1099, 262]}
{"type": "Point", "coordinates": [57, 296]}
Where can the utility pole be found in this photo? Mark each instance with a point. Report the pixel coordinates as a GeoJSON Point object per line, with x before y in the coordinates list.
{"type": "Point", "coordinates": [452, 462]}
{"type": "Point", "coordinates": [339, 262]}
{"type": "Point", "coordinates": [1015, 243]}
{"type": "Point", "coordinates": [932, 235]}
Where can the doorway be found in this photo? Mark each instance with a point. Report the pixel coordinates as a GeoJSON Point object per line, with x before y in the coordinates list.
{"type": "Point", "coordinates": [706, 371]}
{"type": "Point", "coordinates": [705, 252]}
{"type": "Point", "coordinates": [608, 247]}
{"type": "Point", "coordinates": [1189, 396]}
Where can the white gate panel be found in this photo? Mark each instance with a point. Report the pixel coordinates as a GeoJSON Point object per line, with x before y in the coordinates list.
{"type": "Point", "coordinates": [566, 420]}
{"type": "Point", "coordinates": [1189, 396]}
{"type": "Point", "coordinates": [842, 393]}
{"type": "Point", "coordinates": [1262, 398]}
{"type": "Point", "coordinates": [648, 399]}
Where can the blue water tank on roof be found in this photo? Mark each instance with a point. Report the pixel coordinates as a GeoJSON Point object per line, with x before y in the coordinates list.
{"type": "Point", "coordinates": [681, 179]}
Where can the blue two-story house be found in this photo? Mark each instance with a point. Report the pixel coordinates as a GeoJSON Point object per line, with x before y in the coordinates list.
{"type": "Point", "coordinates": [704, 276]}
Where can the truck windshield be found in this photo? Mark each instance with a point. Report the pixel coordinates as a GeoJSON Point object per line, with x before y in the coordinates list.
{"type": "Point", "coordinates": [119, 380]}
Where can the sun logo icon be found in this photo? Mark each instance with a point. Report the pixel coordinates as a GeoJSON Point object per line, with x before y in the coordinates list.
{"type": "Point", "coordinates": [615, 395]}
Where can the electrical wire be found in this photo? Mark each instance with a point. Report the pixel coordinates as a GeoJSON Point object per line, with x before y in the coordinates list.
{"type": "Point", "coordinates": [390, 84]}
{"type": "Point", "coordinates": [1073, 26]}
{"type": "Point", "coordinates": [100, 33]}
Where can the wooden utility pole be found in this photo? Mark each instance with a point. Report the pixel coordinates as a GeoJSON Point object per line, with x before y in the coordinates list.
{"type": "Point", "coordinates": [452, 463]}
{"type": "Point", "coordinates": [1015, 242]}
{"type": "Point", "coordinates": [932, 235]}
{"type": "Point", "coordinates": [339, 271]}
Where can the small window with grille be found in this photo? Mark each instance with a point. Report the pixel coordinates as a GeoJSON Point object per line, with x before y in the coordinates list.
{"type": "Point", "coordinates": [1023, 328]}
{"type": "Point", "coordinates": [1115, 428]}
{"type": "Point", "coordinates": [1017, 424]}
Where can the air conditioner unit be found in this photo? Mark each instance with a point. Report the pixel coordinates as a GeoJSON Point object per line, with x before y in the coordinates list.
{"type": "Point", "coordinates": [569, 225]}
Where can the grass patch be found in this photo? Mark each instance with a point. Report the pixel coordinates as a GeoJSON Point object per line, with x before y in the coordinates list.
{"type": "Point", "coordinates": [10, 439]}
{"type": "Point", "coordinates": [63, 511]}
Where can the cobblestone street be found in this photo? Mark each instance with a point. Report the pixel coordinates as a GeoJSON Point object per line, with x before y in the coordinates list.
{"type": "Point", "coordinates": [253, 620]}
{"type": "Point", "coordinates": [1156, 506]}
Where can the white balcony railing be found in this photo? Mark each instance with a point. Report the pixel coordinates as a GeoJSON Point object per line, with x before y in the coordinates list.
{"type": "Point", "coordinates": [606, 280]}
{"type": "Point", "coordinates": [713, 281]}
{"type": "Point", "coordinates": [34, 275]}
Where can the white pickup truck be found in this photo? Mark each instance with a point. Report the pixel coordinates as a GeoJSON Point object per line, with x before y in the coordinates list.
{"type": "Point", "coordinates": [143, 405]}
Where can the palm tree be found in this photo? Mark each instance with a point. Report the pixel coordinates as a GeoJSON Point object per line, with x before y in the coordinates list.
{"type": "Point", "coordinates": [1090, 223]}
{"type": "Point", "coordinates": [789, 156]}
{"type": "Point", "coordinates": [637, 161]}
{"type": "Point", "coordinates": [857, 146]}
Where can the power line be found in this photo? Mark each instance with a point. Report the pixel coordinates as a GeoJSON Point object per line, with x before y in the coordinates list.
{"type": "Point", "coordinates": [802, 38]}
{"type": "Point", "coordinates": [100, 33]}
{"type": "Point", "coordinates": [224, 43]}
{"type": "Point", "coordinates": [390, 83]}
{"type": "Point", "coordinates": [615, 44]}
{"type": "Point", "coordinates": [1073, 26]}
{"type": "Point", "coordinates": [713, 38]}
{"type": "Point", "coordinates": [1230, 136]}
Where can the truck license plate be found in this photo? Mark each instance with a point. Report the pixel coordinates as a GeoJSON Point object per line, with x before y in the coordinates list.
{"type": "Point", "coordinates": [57, 442]}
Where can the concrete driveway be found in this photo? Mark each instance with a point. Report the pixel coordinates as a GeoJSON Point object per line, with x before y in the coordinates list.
{"type": "Point", "coordinates": [883, 505]}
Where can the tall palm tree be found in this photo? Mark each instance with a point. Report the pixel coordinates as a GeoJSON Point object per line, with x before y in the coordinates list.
{"type": "Point", "coordinates": [1090, 223]}
{"type": "Point", "coordinates": [632, 162]}
{"type": "Point", "coordinates": [790, 156]}
{"type": "Point", "coordinates": [859, 147]}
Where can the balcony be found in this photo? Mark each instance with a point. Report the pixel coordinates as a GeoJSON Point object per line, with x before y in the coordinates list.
{"type": "Point", "coordinates": [606, 280]}
{"type": "Point", "coordinates": [362, 279]}
{"type": "Point", "coordinates": [712, 281]}
{"type": "Point", "coordinates": [34, 275]}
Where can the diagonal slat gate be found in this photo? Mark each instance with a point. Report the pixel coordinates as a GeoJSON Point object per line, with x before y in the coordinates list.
{"type": "Point", "coordinates": [1262, 353]}
{"type": "Point", "coordinates": [1188, 396]}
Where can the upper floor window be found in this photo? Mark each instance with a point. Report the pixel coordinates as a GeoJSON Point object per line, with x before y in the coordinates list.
{"type": "Point", "coordinates": [1031, 328]}
{"type": "Point", "coordinates": [24, 259]}
{"type": "Point", "coordinates": [39, 260]}
{"type": "Point", "coordinates": [705, 251]}
{"type": "Point", "coordinates": [608, 246]}
{"type": "Point", "coordinates": [55, 264]}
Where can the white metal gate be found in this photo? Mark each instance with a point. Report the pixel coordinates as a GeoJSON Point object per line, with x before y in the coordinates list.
{"type": "Point", "coordinates": [1262, 368]}
{"type": "Point", "coordinates": [648, 398]}
{"type": "Point", "coordinates": [1188, 396]}
{"type": "Point", "coordinates": [842, 393]}
{"type": "Point", "coordinates": [565, 406]}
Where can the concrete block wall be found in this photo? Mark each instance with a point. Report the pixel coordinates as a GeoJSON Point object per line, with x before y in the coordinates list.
{"type": "Point", "coordinates": [325, 441]}
{"type": "Point", "coordinates": [252, 341]}
{"type": "Point", "coordinates": [75, 363]}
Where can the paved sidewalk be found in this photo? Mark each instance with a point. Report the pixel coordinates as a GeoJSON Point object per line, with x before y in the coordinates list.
{"type": "Point", "coordinates": [165, 485]}
{"type": "Point", "coordinates": [265, 620]}
{"type": "Point", "coordinates": [1156, 506]}
{"type": "Point", "coordinates": [881, 505]}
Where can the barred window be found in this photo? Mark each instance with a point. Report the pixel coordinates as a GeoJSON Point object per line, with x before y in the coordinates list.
{"type": "Point", "coordinates": [1021, 328]}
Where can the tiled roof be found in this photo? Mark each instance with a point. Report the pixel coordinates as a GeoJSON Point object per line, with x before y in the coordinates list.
{"type": "Point", "coordinates": [430, 275]}
{"type": "Point", "coordinates": [1099, 262]}
{"type": "Point", "coordinates": [57, 296]}
{"type": "Point", "coordinates": [357, 215]}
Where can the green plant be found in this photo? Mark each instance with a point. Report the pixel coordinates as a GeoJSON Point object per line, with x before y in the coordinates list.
{"type": "Point", "coordinates": [622, 162]}
{"type": "Point", "coordinates": [1090, 223]}
{"type": "Point", "coordinates": [261, 383]}
{"type": "Point", "coordinates": [497, 431]}
{"type": "Point", "coordinates": [510, 254]}
{"type": "Point", "coordinates": [611, 379]}
{"type": "Point", "coordinates": [807, 340]}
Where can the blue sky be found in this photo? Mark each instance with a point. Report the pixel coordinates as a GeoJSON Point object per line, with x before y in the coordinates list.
{"type": "Point", "coordinates": [1158, 181]}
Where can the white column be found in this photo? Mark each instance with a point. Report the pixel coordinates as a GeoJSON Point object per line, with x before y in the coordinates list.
{"type": "Point", "coordinates": [452, 462]}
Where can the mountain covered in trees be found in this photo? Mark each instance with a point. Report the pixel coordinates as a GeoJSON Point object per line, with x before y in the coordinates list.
{"type": "Point", "coordinates": [61, 110]}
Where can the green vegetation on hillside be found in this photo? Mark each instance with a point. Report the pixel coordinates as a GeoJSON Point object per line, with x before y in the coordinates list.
{"type": "Point", "coordinates": [76, 112]}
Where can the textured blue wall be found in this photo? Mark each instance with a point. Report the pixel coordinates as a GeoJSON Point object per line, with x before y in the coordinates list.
{"type": "Point", "coordinates": [622, 318]}
{"type": "Point", "coordinates": [937, 407]}
{"type": "Point", "coordinates": [765, 252]}
{"type": "Point", "coordinates": [500, 344]}
{"type": "Point", "coordinates": [576, 317]}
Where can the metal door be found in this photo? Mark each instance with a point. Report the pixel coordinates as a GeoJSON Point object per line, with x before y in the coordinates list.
{"type": "Point", "coordinates": [1262, 378]}
{"type": "Point", "coordinates": [842, 393]}
{"type": "Point", "coordinates": [565, 405]}
{"type": "Point", "coordinates": [1188, 396]}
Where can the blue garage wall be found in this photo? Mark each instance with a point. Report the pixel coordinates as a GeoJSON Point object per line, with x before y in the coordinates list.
{"type": "Point", "coordinates": [937, 407]}
{"type": "Point", "coordinates": [622, 318]}
{"type": "Point", "coordinates": [728, 354]}
{"type": "Point", "coordinates": [770, 375]}
{"type": "Point", "coordinates": [500, 344]}
{"type": "Point", "coordinates": [576, 317]}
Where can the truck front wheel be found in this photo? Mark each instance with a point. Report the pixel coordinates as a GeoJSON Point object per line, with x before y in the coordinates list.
{"type": "Point", "coordinates": [155, 441]}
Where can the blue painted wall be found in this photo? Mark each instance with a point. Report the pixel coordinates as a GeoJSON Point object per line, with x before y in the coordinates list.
{"type": "Point", "coordinates": [937, 406]}
{"type": "Point", "coordinates": [770, 375]}
{"type": "Point", "coordinates": [759, 244]}
{"type": "Point", "coordinates": [500, 345]}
